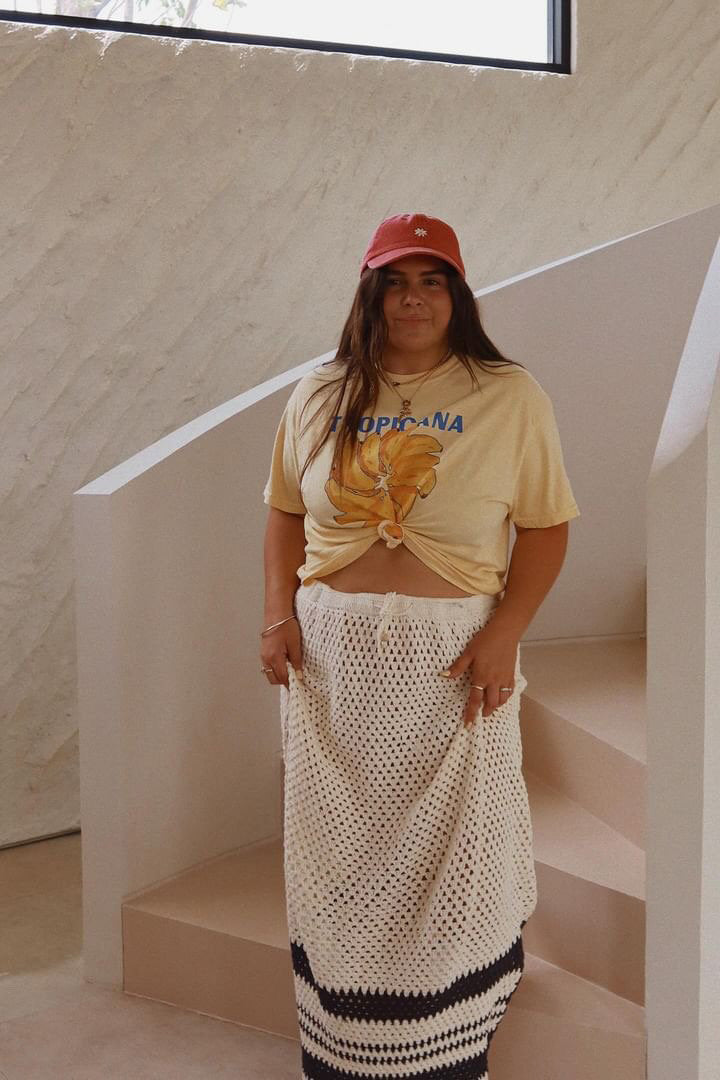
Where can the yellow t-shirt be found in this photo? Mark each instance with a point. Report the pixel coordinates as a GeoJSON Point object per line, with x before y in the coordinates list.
{"type": "Point", "coordinates": [445, 481]}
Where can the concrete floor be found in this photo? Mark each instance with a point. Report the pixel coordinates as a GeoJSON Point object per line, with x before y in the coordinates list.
{"type": "Point", "coordinates": [56, 1026]}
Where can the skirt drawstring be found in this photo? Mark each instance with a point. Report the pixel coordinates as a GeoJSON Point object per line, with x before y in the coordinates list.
{"type": "Point", "coordinates": [390, 607]}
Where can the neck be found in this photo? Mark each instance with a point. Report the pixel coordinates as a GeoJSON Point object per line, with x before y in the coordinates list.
{"type": "Point", "coordinates": [397, 363]}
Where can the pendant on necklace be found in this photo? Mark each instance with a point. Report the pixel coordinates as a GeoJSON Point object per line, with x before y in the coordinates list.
{"type": "Point", "coordinates": [406, 408]}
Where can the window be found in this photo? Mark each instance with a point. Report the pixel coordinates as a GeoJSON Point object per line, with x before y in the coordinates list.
{"type": "Point", "coordinates": [530, 34]}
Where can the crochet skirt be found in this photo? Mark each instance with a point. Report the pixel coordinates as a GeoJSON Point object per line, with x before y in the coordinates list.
{"type": "Point", "coordinates": [408, 858]}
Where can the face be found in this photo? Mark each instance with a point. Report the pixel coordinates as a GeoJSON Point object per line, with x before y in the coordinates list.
{"type": "Point", "coordinates": [417, 304]}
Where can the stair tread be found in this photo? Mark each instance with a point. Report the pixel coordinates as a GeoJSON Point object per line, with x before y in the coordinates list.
{"type": "Point", "coordinates": [597, 683]}
{"type": "Point", "coordinates": [240, 894]}
{"type": "Point", "coordinates": [570, 838]}
{"type": "Point", "coordinates": [546, 988]}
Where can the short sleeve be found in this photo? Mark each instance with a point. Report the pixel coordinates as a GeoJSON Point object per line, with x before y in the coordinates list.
{"type": "Point", "coordinates": [543, 496]}
{"type": "Point", "coordinates": [282, 489]}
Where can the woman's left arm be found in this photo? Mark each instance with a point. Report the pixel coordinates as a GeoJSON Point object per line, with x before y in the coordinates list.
{"type": "Point", "coordinates": [536, 561]}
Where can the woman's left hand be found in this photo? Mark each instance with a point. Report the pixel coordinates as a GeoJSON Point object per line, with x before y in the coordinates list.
{"type": "Point", "coordinates": [490, 655]}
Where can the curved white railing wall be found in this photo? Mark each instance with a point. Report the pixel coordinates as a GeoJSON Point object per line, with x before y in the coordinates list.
{"type": "Point", "coordinates": [179, 735]}
{"type": "Point", "coordinates": [683, 695]}
{"type": "Point", "coordinates": [179, 744]}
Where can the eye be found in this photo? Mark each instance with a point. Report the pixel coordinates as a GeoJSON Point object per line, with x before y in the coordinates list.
{"type": "Point", "coordinates": [428, 281]}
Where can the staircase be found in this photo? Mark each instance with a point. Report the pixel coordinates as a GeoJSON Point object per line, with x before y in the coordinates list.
{"type": "Point", "coordinates": [578, 1012]}
{"type": "Point", "coordinates": [214, 939]}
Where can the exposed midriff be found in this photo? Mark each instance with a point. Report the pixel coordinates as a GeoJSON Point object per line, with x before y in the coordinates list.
{"type": "Point", "coordinates": [382, 569]}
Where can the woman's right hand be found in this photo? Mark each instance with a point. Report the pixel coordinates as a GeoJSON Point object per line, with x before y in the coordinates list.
{"type": "Point", "coordinates": [276, 648]}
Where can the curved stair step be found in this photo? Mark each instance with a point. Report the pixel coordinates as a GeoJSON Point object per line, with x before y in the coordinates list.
{"type": "Point", "coordinates": [583, 725]}
{"type": "Point", "coordinates": [590, 915]}
{"type": "Point", "coordinates": [559, 1026]}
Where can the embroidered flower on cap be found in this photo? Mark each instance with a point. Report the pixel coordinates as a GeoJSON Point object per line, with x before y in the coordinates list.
{"type": "Point", "coordinates": [421, 232]}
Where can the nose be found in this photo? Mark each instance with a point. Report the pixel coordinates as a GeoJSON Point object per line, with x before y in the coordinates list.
{"type": "Point", "coordinates": [411, 295]}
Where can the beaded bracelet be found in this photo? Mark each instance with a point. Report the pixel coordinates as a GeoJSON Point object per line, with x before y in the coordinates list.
{"type": "Point", "coordinates": [269, 628]}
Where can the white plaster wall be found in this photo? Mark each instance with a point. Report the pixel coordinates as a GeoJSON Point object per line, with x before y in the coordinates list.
{"type": "Point", "coordinates": [181, 220]}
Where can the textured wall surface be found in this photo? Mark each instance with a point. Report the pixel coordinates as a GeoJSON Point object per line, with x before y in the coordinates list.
{"type": "Point", "coordinates": [180, 220]}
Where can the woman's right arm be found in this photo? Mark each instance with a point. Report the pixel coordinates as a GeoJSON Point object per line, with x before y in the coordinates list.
{"type": "Point", "coordinates": [284, 554]}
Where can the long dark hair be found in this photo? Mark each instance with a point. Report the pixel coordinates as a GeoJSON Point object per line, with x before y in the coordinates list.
{"type": "Point", "coordinates": [362, 343]}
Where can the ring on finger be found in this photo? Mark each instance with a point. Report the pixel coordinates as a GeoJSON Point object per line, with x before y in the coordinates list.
{"type": "Point", "coordinates": [503, 689]}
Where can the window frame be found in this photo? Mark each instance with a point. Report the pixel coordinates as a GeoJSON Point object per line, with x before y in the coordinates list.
{"type": "Point", "coordinates": [558, 32]}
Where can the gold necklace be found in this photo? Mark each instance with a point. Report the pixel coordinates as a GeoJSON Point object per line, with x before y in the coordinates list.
{"type": "Point", "coordinates": [406, 409]}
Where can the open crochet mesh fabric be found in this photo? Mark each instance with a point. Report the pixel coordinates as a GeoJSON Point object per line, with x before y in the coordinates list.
{"type": "Point", "coordinates": [409, 870]}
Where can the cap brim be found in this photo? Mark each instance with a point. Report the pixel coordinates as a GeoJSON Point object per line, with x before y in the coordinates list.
{"type": "Point", "coordinates": [399, 253]}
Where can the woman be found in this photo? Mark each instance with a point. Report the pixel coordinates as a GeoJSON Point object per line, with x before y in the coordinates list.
{"type": "Point", "coordinates": [409, 870]}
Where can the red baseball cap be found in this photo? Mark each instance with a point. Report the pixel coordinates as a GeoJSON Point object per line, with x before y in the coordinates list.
{"type": "Point", "coordinates": [412, 234]}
